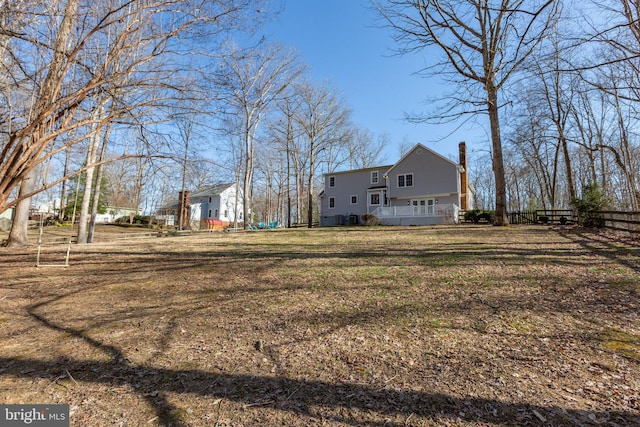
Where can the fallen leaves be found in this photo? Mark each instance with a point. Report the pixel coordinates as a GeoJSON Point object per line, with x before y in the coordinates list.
{"type": "Point", "coordinates": [404, 326]}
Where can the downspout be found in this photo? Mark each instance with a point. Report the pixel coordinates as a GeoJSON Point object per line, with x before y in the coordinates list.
{"type": "Point", "coordinates": [464, 179]}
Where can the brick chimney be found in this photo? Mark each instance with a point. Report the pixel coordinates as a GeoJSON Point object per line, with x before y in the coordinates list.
{"type": "Point", "coordinates": [464, 180]}
{"type": "Point", "coordinates": [184, 207]}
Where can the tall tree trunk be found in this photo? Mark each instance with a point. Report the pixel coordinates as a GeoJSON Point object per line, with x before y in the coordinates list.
{"type": "Point", "coordinates": [20, 225]}
{"type": "Point", "coordinates": [312, 165]}
{"type": "Point", "coordinates": [627, 165]}
{"type": "Point", "coordinates": [88, 183]}
{"type": "Point", "coordinates": [63, 190]}
{"type": "Point", "coordinates": [248, 174]}
{"type": "Point", "coordinates": [288, 181]}
{"type": "Point", "coordinates": [97, 189]}
{"type": "Point", "coordinates": [554, 179]}
{"type": "Point", "coordinates": [501, 217]}
{"type": "Point", "coordinates": [568, 169]}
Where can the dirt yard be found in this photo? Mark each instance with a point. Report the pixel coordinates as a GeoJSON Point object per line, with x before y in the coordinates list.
{"type": "Point", "coordinates": [367, 326]}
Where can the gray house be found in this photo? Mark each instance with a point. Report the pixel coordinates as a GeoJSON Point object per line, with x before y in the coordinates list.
{"type": "Point", "coordinates": [422, 188]}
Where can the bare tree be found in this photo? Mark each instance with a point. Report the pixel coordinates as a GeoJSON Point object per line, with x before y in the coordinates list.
{"type": "Point", "coordinates": [12, 171]}
{"type": "Point", "coordinates": [139, 36]}
{"type": "Point", "coordinates": [98, 138]}
{"type": "Point", "coordinates": [365, 149]}
{"type": "Point", "coordinates": [483, 43]}
{"type": "Point", "coordinates": [251, 81]}
{"type": "Point", "coordinates": [618, 75]}
{"type": "Point", "coordinates": [324, 122]}
{"type": "Point", "coordinates": [532, 147]}
{"type": "Point", "coordinates": [283, 131]}
{"type": "Point", "coordinates": [558, 90]}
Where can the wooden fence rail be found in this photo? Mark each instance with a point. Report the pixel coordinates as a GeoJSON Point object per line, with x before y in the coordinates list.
{"type": "Point", "coordinates": [556, 216]}
{"type": "Point", "coordinates": [540, 216]}
{"type": "Point", "coordinates": [619, 221]}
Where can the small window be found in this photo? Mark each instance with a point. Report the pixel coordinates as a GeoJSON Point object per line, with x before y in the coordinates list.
{"type": "Point", "coordinates": [226, 214]}
{"type": "Point", "coordinates": [332, 181]}
{"type": "Point", "coordinates": [374, 177]}
{"type": "Point", "coordinates": [332, 202]}
{"type": "Point", "coordinates": [375, 199]}
{"type": "Point", "coordinates": [216, 216]}
{"type": "Point", "coordinates": [209, 213]}
{"type": "Point", "coordinates": [209, 199]}
{"type": "Point", "coordinates": [405, 180]}
{"type": "Point", "coordinates": [354, 200]}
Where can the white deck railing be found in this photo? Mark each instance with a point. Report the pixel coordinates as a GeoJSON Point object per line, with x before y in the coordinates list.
{"type": "Point", "coordinates": [444, 210]}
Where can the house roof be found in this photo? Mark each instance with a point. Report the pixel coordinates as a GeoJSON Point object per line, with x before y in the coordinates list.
{"type": "Point", "coordinates": [212, 190]}
{"type": "Point", "coordinates": [385, 167]}
{"type": "Point", "coordinates": [389, 168]}
{"type": "Point", "coordinates": [422, 147]}
{"type": "Point", "coordinates": [208, 191]}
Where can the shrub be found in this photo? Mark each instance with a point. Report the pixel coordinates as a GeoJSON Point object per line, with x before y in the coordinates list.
{"type": "Point", "coordinates": [472, 215]}
{"type": "Point", "coordinates": [369, 219]}
{"type": "Point", "coordinates": [137, 219]}
{"type": "Point", "coordinates": [587, 209]}
{"type": "Point", "coordinates": [477, 215]}
{"type": "Point", "coordinates": [487, 216]}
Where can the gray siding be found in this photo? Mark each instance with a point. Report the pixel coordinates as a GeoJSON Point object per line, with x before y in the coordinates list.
{"type": "Point", "coordinates": [432, 175]}
{"type": "Point", "coordinates": [435, 181]}
{"type": "Point", "coordinates": [348, 184]}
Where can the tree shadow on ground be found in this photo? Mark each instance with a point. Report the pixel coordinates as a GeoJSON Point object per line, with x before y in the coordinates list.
{"type": "Point", "coordinates": [302, 397]}
{"type": "Point", "coordinates": [607, 246]}
{"type": "Point", "coordinates": [347, 403]}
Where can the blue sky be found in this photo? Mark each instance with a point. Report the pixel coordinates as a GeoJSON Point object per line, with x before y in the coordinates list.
{"type": "Point", "coordinates": [341, 41]}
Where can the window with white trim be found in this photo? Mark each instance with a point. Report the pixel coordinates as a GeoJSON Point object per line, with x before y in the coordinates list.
{"type": "Point", "coordinates": [375, 177]}
{"type": "Point", "coordinates": [374, 199]}
{"type": "Point", "coordinates": [405, 180]}
{"type": "Point", "coordinates": [332, 202]}
{"type": "Point", "coordinates": [354, 200]}
{"type": "Point", "coordinates": [332, 181]}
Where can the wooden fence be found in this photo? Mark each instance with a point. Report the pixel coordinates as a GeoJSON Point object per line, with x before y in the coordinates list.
{"type": "Point", "coordinates": [618, 221]}
{"type": "Point", "coordinates": [556, 216]}
{"type": "Point", "coordinates": [540, 216]}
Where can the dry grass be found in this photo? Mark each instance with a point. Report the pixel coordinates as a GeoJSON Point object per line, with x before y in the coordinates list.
{"type": "Point", "coordinates": [460, 325]}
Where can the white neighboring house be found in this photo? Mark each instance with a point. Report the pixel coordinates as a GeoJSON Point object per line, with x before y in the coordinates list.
{"type": "Point", "coordinates": [220, 202]}
{"type": "Point", "coordinates": [217, 202]}
{"type": "Point", "coordinates": [6, 218]}
{"type": "Point", "coordinates": [115, 212]}
{"type": "Point", "coordinates": [422, 188]}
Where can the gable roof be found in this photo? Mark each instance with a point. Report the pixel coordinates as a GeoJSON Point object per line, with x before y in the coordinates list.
{"type": "Point", "coordinates": [212, 190]}
{"type": "Point", "coordinates": [389, 168]}
{"type": "Point", "coordinates": [373, 168]}
{"type": "Point", "coordinates": [209, 191]}
{"type": "Point", "coordinates": [422, 147]}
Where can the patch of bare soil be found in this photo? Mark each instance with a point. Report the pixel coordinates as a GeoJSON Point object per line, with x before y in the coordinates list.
{"type": "Point", "coordinates": [366, 326]}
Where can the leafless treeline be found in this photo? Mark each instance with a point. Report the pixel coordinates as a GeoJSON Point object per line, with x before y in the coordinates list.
{"type": "Point", "coordinates": [558, 81]}
{"type": "Point", "coordinates": [574, 117]}
{"type": "Point", "coordinates": [144, 94]}
{"type": "Point", "coordinates": [154, 96]}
